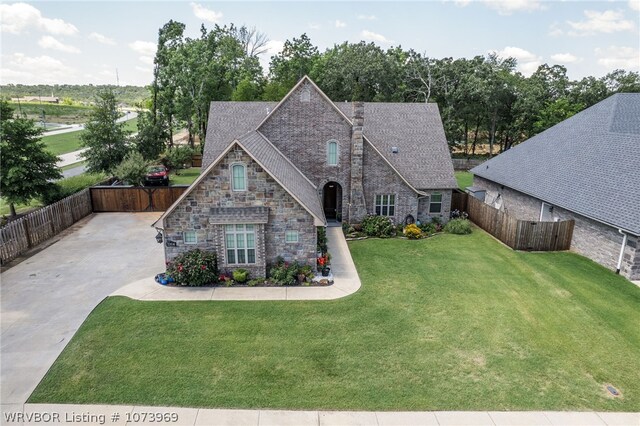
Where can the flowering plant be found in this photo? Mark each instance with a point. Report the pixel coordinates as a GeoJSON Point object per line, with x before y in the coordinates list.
{"type": "Point", "coordinates": [194, 268]}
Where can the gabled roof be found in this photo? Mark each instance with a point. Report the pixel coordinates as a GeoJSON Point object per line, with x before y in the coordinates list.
{"type": "Point", "coordinates": [423, 158]}
{"type": "Point", "coordinates": [588, 164]}
{"type": "Point", "coordinates": [276, 165]}
{"type": "Point", "coordinates": [422, 161]}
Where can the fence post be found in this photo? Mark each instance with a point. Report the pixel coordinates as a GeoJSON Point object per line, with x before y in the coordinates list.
{"type": "Point", "coordinates": [26, 232]}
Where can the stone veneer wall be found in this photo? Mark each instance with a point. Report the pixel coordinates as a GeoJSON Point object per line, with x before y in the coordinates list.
{"type": "Point", "coordinates": [380, 179]}
{"type": "Point", "coordinates": [597, 241]}
{"type": "Point", "coordinates": [301, 130]}
{"type": "Point", "coordinates": [285, 214]}
{"type": "Point", "coordinates": [423, 205]}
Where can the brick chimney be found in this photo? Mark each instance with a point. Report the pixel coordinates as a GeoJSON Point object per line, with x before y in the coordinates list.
{"type": "Point", "coordinates": [357, 208]}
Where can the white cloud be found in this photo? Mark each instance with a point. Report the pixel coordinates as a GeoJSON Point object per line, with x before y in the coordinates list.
{"type": "Point", "coordinates": [273, 48]}
{"type": "Point", "coordinates": [370, 35]}
{"type": "Point", "coordinates": [614, 57]}
{"type": "Point", "coordinates": [314, 26]}
{"type": "Point", "coordinates": [22, 69]}
{"type": "Point", "coordinates": [367, 17]}
{"type": "Point", "coordinates": [102, 39]}
{"type": "Point", "coordinates": [146, 60]}
{"type": "Point", "coordinates": [555, 30]}
{"type": "Point", "coordinates": [205, 14]}
{"type": "Point", "coordinates": [634, 4]}
{"type": "Point", "coordinates": [49, 42]}
{"type": "Point", "coordinates": [528, 62]}
{"type": "Point", "coordinates": [145, 48]}
{"type": "Point", "coordinates": [144, 69]}
{"type": "Point", "coordinates": [608, 21]}
{"type": "Point", "coordinates": [20, 17]}
{"type": "Point", "coordinates": [505, 7]}
{"type": "Point", "coordinates": [340, 24]}
{"type": "Point", "coordinates": [565, 58]}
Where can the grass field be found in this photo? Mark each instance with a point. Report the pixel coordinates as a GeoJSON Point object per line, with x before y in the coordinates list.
{"type": "Point", "coordinates": [464, 179]}
{"type": "Point", "coordinates": [66, 114]}
{"type": "Point", "coordinates": [69, 142]}
{"type": "Point", "coordinates": [447, 323]}
{"type": "Point", "coordinates": [20, 208]}
{"type": "Point", "coordinates": [186, 176]}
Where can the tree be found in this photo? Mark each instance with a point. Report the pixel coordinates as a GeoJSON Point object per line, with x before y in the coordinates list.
{"type": "Point", "coordinates": [26, 168]}
{"type": "Point", "coordinates": [297, 59]}
{"type": "Point", "coordinates": [132, 169]}
{"type": "Point", "coordinates": [150, 140]}
{"type": "Point", "coordinates": [105, 138]}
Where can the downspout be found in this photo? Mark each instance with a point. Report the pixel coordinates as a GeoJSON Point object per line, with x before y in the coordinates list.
{"type": "Point", "coordinates": [624, 243]}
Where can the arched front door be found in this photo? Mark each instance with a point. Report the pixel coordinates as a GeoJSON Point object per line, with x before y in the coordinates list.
{"type": "Point", "coordinates": [332, 201]}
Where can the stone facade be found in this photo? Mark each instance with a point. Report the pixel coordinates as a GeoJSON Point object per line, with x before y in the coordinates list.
{"type": "Point", "coordinates": [595, 240]}
{"type": "Point", "coordinates": [203, 211]}
{"type": "Point", "coordinates": [358, 206]}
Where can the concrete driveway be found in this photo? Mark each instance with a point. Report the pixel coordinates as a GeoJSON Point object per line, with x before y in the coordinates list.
{"type": "Point", "coordinates": [45, 299]}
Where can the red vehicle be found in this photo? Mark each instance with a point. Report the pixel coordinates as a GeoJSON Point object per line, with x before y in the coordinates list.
{"type": "Point", "coordinates": [157, 175]}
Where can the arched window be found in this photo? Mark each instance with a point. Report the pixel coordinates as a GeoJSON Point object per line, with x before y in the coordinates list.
{"type": "Point", "coordinates": [238, 177]}
{"type": "Point", "coordinates": [332, 153]}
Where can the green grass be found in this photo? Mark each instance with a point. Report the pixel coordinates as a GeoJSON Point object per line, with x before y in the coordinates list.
{"type": "Point", "coordinates": [20, 208]}
{"type": "Point", "coordinates": [186, 176]}
{"type": "Point", "coordinates": [69, 142]}
{"type": "Point", "coordinates": [67, 114]}
{"type": "Point", "coordinates": [447, 323]}
{"type": "Point", "coordinates": [464, 179]}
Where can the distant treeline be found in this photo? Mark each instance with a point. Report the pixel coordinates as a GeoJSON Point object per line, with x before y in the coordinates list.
{"type": "Point", "coordinates": [86, 93]}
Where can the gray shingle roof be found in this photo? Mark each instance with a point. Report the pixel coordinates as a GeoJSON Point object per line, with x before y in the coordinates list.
{"type": "Point", "coordinates": [228, 121]}
{"type": "Point", "coordinates": [278, 166]}
{"type": "Point", "coordinates": [588, 164]}
{"type": "Point", "coordinates": [423, 157]}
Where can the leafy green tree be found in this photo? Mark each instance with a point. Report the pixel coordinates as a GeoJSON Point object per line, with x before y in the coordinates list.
{"type": "Point", "coordinates": [297, 59]}
{"type": "Point", "coordinates": [175, 158]}
{"type": "Point", "coordinates": [133, 169]}
{"type": "Point", "coordinates": [106, 140]}
{"type": "Point", "coordinates": [26, 168]}
{"type": "Point", "coordinates": [246, 90]}
{"type": "Point", "coordinates": [150, 140]}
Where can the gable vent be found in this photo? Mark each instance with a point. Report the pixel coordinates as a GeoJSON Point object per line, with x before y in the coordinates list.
{"type": "Point", "coordinates": [305, 95]}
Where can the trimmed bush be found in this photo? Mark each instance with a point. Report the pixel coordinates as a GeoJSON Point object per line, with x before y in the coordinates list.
{"type": "Point", "coordinates": [412, 231]}
{"type": "Point", "coordinates": [378, 226]}
{"type": "Point", "coordinates": [69, 186]}
{"type": "Point", "coordinates": [240, 275]}
{"type": "Point", "coordinates": [458, 226]}
{"type": "Point", "coordinates": [322, 239]}
{"type": "Point", "coordinates": [194, 268]}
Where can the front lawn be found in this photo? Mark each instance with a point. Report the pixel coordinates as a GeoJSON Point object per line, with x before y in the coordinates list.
{"type": "Point", "coordinates": [446, 323]}
{"type": "Point", "coordinates": [186, 176]}
{"type": "Point", "coordinates": [464, 179]}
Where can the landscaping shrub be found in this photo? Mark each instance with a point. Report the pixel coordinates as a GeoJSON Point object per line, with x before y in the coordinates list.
{"type": "Point", "coordinates": [176, 158]}
{"type": "Point", "coordinates": [378, 226]}
{"type": "Point", "coordinates": [428, 228]}
{"type": "Point", "coordinates": [412, 231]}
{"type": "Point", "coordinates": [322, 239]}
{"type": "Point", "coordinates": [133, 169]}
{"type": "Point", "coordinates": [240, 275]}
{"type": "Point", "coordinates": [69, 186]}
{"type": "Point", "coordinates": [194, 268]}
{"type": "Point", "coordinates": [458, 226]}
{"type": "Point", "coordinates": [284, 273]}
{"type": "Point", "coordinates": [457, 214]}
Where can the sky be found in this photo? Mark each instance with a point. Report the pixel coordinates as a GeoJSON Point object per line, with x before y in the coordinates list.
{"type": "Point", "coordinates": [85, 42]}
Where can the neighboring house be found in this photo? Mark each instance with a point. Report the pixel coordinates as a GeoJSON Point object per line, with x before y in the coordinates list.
{"type": "Point", "coordinates": [586, 168]}
{"type": "Point", "coordinates": [273, 172]}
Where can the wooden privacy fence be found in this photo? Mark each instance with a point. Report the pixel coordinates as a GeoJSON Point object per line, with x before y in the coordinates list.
{"type": "Point", "coordinates": [28, 231]}
{"type": "Point", "coordinates": [135, 198]}
{"type": "Point", "coordinates": [520, 234]}
{"type": "Point", "coordinates": [458, 200]}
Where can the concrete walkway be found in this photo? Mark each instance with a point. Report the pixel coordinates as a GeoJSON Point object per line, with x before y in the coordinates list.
{"type": "Point", "coordinates": [70, 158]}
{"type": "Point", "coordinates": [133, 415]}
{"type": "Point", "coordinates": [345, 282]}
{"type": "Point", "coordinates": [46, 298]}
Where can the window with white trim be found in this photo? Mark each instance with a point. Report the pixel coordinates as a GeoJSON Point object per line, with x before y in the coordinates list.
{"type": "Point", "coordinates": [435, 203]}
{"type": "Point", "coordinates": [190, 237]}
{"type": "Point", "coordinates": [291, 237]}
{"type": "Point", "coordinates": [386, 205]}
{"type": "Point", "coordinates": [332, 153]}
{"type": "Point", "coordinates": [238, 177]}
{"type": "Point", "coordinates": [240, 242]}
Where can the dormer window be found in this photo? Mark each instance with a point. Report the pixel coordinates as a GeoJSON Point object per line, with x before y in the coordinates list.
{"type": "Point", "coordinates": [332, 153]}
{"type": "Point", "coordinates": [238, 177]}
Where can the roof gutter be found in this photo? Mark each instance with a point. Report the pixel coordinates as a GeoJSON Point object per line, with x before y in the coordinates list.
{"type": "Point", "coordinates": [624, 243]}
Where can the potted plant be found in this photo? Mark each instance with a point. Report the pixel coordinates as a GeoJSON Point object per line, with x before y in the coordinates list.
{"type": "Point", "coordinates": [323, 265]}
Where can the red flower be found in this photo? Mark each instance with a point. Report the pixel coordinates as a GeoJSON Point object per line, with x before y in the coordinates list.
{"type": "Point", "coordinates": [322, 261]}
{"type": "Point", "coordinates": [180, 268]}
{"type": "Point", "coordinates": [203, 267]}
